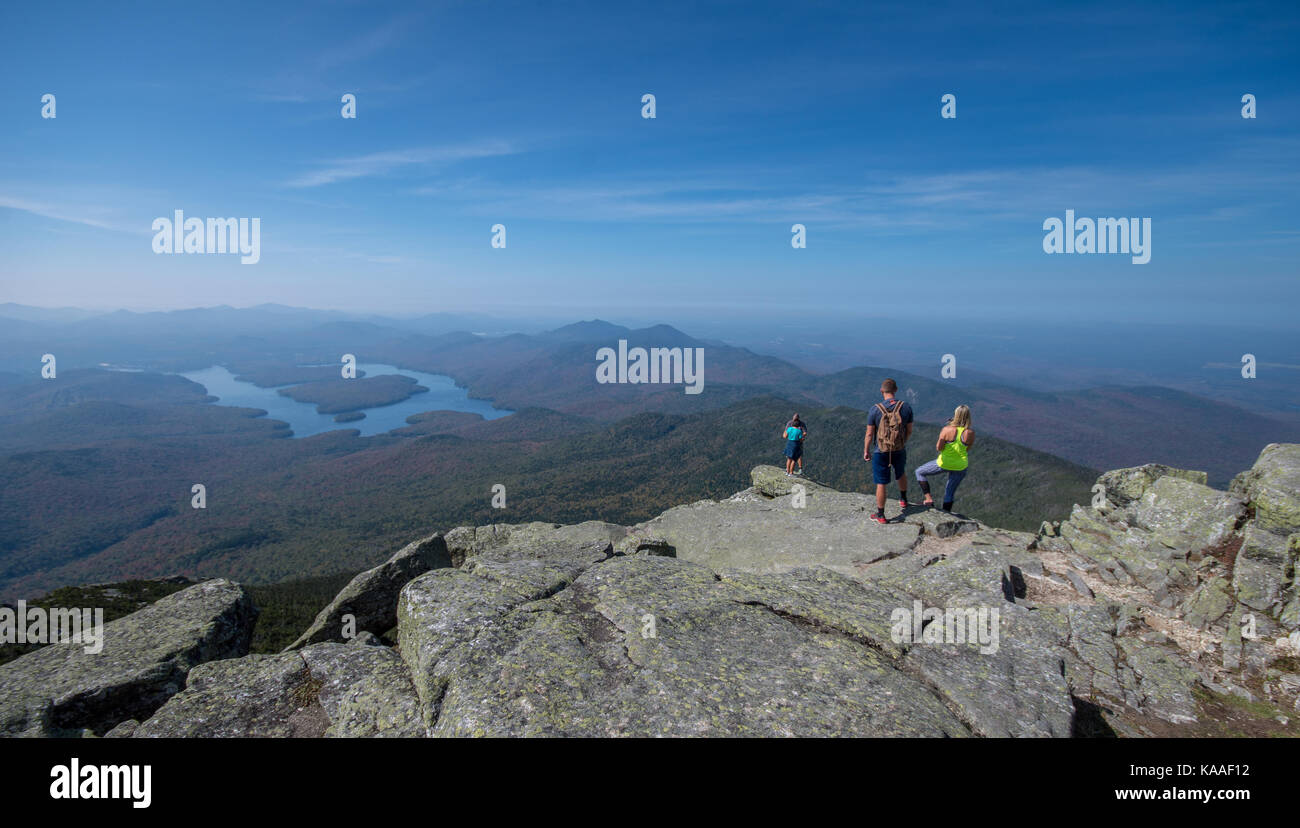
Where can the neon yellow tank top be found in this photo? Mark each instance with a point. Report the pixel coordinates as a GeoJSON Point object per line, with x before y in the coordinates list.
{"type": "Point", "coordinates": [953, 456]}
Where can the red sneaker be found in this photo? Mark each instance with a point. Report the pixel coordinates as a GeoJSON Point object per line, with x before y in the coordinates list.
{"type": "Point", "coordinates": [902, 504]}
{"type": "Point", "coordinates": [878, 518]}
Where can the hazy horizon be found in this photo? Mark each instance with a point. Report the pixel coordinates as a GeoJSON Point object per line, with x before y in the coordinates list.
{"type": "Point", "coordinates": [666, 314]}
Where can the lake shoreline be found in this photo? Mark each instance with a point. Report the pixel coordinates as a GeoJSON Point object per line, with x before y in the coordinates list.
{"type": "Point", "coordinates": [439, 393]}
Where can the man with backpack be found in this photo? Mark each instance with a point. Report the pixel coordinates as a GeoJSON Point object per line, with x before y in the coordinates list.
{"type": "Point", "coordinates": [890, 423]}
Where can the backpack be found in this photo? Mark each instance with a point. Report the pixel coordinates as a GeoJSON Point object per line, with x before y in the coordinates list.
{"type": "Point", "coordinates": [889, 432]}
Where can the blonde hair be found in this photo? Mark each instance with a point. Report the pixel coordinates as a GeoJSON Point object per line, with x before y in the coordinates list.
{"type": "Point", "coordinates": [960, 417]}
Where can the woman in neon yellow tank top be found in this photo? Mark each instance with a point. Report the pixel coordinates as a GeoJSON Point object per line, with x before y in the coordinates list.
{"type": "Point", "coordinates": [953, 446]}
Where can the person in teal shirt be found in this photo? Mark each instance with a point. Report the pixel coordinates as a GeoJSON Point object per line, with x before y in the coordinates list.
{"type": "Point", "coordinates": [794, 434]}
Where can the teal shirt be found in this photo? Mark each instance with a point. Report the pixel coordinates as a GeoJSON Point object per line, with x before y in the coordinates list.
{"type": "Point", "coordinates": [793, 433]}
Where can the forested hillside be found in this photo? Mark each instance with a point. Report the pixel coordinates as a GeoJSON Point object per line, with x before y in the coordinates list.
{"type": "Point", "coordinates": [279, 509]}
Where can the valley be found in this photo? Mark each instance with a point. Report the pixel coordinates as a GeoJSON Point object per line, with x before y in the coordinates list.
{"type": "Point", "coordinates": [98, 464]}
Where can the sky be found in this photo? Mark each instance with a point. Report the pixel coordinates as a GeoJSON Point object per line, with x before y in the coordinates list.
{"type": "Point", "coordinates": [529, 115]}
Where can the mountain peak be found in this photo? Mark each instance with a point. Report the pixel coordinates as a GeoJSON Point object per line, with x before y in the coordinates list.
{"type": "Point", "coordinates": [588, 331]}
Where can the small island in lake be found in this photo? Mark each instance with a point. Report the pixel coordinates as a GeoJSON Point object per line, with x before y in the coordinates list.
{"type": "Point", "coordinates": [336, 396]}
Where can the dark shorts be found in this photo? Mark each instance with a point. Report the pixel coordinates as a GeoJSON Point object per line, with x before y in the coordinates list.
{"type": "Point", "coordinates": [794, 449]}
{"type": "Point", "coordinates": [883, 461]}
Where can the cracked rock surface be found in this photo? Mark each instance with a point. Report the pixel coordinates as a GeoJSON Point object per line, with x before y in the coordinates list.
{"type": "Point", "coordinates": [62, 690]}
{"type": "Point", "coordinates": [780, 611]}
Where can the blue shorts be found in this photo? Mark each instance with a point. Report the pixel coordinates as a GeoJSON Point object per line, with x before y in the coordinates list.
{"type": "Point", "coordinates": [882, 461]}
{"type": "Point", "coordinates": [793, 449]}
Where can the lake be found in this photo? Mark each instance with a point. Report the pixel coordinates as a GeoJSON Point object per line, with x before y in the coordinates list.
{"type": "Point", "coordinates": [443, 395]}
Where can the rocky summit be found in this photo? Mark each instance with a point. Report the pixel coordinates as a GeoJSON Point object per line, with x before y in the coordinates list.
{"type": "Point", "coordinates": [1162, 607]}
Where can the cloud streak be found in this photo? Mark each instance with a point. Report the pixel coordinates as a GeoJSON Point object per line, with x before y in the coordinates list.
{"type": "Point", "coordinates": [881, 200]}
{"type": "Point", "coordinates": [75, 215]}
{"type": "Point", "coordinates": [387, 163]}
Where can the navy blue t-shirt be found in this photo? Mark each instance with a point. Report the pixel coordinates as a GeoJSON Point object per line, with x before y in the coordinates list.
{"type": "Point", "coordinates": [905, 412]}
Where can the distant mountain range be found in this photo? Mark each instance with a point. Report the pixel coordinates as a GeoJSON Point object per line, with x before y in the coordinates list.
{"type": "Point", "coordinates": [97, 465]}
{"type": "Point", "coordinates": [230, 320]}
{"type": "Point", "coordinates": [1099, 428]}
{"type": "Point", "coordinates": [1104, 427]}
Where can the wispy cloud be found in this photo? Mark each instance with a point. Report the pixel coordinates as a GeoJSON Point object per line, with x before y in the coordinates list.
{"type": "Point", "coordinates": [373, 42]}
{"type": "Point", "coordinates": [89, 216]}
{"type": "Point", "coordinates": [385, 163]}
{"type": "Point", "coordinates": [881, 200]}
{"type": "Point", "coordinates": [315, 76]}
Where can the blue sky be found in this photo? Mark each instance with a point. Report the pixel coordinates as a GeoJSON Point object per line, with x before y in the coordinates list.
{"type": "Point", "coordinates": [826, 114]}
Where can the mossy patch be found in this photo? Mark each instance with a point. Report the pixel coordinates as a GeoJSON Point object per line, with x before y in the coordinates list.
{"type": "Point", "coordinates": [307, 693]}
